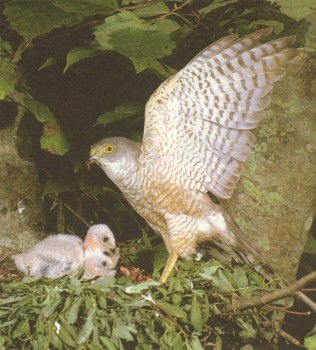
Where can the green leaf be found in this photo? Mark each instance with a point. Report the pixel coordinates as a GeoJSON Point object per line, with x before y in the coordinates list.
{"type": "Point", "coordinates": [141, 42]}
{"type": "Point", "coordinates": [247, 331]}
{"type": "Point", "coordinates": [65, 336]}
{"type": "Point", "coordinates": [276, 25]}
{"type": "Point", "coordinates": [310, 339]}
{"type": "Point", "coordinates": [50, 61]}
{"type": "Point", "coordinates": [122, 330]}
{"type": "Point", "coordinates": [74, 310]}
{"type": "Point", "coordinates": [195, 343]}
{"type": "Point", "coordinates": [159, 257]}
{"type": "Point", "coordinates": [209, 271]}
{"type": "Point", "coordinates": [170, 309]}
{"type": "Point", "coordinates": [154, 9]}
{"type": "Point", "coordinates": [79, 53]}
{"type": "Point", "coordinates": [55, 341]}
{"type": "Point", "coordinates": [196, 315]}
{"type": "Point", "coordinates": [108, 343]}
{"type": "Point", "coordinates": [38, 17]}
{"type": "Point", "coordinates": [40, 343]}
{"type": "Point", "coordinates": [22, 328]}
{"type": "Point", "coordinates": [50, 308]}
{"type": "Point", "coordinates": [5, 48]}
{"type": "Point", "coordinates": [7, 79]}
{"type": "Point", "coordinates": [124, 111]}
{"type": "Point", "coordinates": [53, 140]}
{"type": "Point", "coordinates": [87, 327]}
{"type": "Point", "coordinates": [41, 111]}
{"type": "Point", "coordinates": [216, 4]}
{"type": "Point", "coordinates": [295, 11]}
{"type": "Point", "coordinates": [87, 7]}
{"type": "Point", "coordinates": [138, 288]}
{"type": "Point", "coordinates": [239, 278]}
{"type": "Point", "coordinates": [103, 283]}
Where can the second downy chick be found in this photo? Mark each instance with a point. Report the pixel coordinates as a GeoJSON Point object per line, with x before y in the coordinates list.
{"type": "Point", "coordinates": [99, 249]}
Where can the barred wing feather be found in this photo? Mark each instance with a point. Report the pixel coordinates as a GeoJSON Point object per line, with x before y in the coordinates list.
{"type": "Point", "coordinates": [199, 120]}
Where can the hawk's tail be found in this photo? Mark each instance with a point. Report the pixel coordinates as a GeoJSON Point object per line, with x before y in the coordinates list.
{"type": "Point", "coordinates": [247, 252]}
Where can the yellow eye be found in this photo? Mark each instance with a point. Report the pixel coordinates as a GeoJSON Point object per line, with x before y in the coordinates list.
{"type": "Point", "coordinates": [108, 148]}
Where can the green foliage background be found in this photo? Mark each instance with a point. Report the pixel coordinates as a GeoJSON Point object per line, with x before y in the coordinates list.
{"type": "Point", "coordinates": [83, 70]}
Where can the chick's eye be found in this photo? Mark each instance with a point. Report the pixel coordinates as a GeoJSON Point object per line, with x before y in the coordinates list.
{"type": "Point", "coordinates": [108, 148]}
{"type": "Point", "coordinates": [104, 263]}
{"type": "Point", "coordinates": [105, 239]}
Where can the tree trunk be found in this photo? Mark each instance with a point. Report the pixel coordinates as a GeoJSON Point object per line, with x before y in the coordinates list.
{"type": "Point", "coordinates": [21, 211]}
{"type": "Point", "coordinates": [275, 200]}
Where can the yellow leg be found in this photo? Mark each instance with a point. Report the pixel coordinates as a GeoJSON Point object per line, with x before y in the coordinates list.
{"type": "Point", "coordinates": [171, 261]}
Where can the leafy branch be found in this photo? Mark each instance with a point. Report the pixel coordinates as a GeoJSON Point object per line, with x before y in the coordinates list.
{"type": "Point", "coordinates": [261, 300]}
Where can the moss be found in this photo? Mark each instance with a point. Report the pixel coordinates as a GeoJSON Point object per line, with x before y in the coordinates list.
{"type": "Point", "coordinates": [265, 201]}
{"type": "Point", "coordinates": [269, 129]}
{"type": "Point", "coordinates": [251, 165]}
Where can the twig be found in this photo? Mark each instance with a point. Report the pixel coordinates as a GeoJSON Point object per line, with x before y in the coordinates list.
{"type": "Point", "coordinates": [76, 214]}
{"type": "Point", "coordinates": [288, 337]}
{"type": "Point", "coordinates": [305, 299]}
{"type": "Point", "coordinates": [286, 311]}
{"type": "Point", "coordinates": [175, 9]}
{"type": "Point", "coordinates": [282, 333]}
{"type": "Point", "coordinates": [306, 290]}
{"type": "Point", "coordinates": [273, 296]}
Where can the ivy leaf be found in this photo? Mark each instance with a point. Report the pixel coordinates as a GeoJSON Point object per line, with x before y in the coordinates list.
{"type": "Point", "coordinates": [53, 140]}
{"type": "Point", "coordinates": [291, 9]}
{"type": "Point", "coordinates": [87, 7]}
{"type": "Point", "coordinates": [79, 53]}
{"type": "Point", "coordinates": [38, 17]}
{"type": "Point", "coordinates": [141, 42]}
{"type": "Point", "coordinates": [124, 111]}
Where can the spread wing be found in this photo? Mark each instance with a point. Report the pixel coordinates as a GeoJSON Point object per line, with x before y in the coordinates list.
{"type": "Point", "coordinates": [198, 122]}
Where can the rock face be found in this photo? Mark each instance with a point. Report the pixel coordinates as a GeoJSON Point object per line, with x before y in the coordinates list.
{"type": "Point", "coordinates": [21, 211]}
{"type": "Point", "coordinates": [275, 200]}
